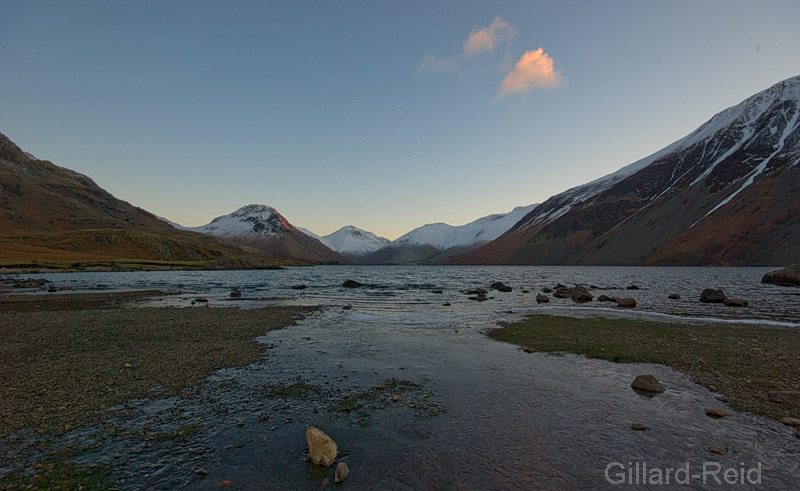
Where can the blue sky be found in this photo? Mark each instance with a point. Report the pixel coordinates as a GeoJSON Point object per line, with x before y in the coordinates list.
{"type": "Point", "coordinates": [383, 115]}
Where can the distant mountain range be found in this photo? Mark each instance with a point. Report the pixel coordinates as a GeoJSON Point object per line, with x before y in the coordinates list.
{"type": "Point", "coordinates": [728, 193]}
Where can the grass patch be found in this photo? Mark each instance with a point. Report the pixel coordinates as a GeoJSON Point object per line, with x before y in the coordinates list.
{"type": "Point", "coordinates": [60, 473]}
{"type": "Point", "coordinates": [741, 362]}
{"type": "Point", "coordinates": [300, 389]}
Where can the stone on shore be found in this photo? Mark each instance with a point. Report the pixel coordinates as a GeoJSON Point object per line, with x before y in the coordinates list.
{"type": "Point", "coordinates": [342, 471]}
{"type": "Point", "coordinates": [647, 383]}
{"type": "Point", "coordinates": [499, 286]}
{"type": "Point", "coordinates": [638, 427]}
{"type": "Point", "coordinates": [718, 449]}
{"type": "Point", "coordinates": [717, 413]}
{"type": "Point", "coordinates": [563, 292]}
{"type": "Point", "coordinates": [784, 397]}
{"type": "Point", "coordinates": [580, 294]}
{"type": "Point", "coordinates": [674, 296]}
{"type": "Point", "coordinates": [322, 450]}
{"type": "Point", "coordinates": [604, 298]}
{"type": "Point", "coordinates": [735, 302]}
{"type": "Point", "coordinates": [788, 276]}
{"type": "Point", "coordinates": [625, 303]}
{"type": "Point", "coordinates": [710, 295]}
{"type": "Point", "coordinates": [542, 298]}
{"type": "Point", "coordinates": [351, 284]}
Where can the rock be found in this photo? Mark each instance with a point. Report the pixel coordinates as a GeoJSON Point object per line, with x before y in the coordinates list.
{"type": "Point", "coordinates": [604, 298]}
{"type": "Point", "coordinates": [647, 383]}
{"type": "Point", "coordinates": [52, 289]}
{"type": "Point", "coordinates": [546, 290]}
{"type": "Point", "coordinates": [236, 294]}
{"type": "Point", "coordinates": [581, 295]}
{"type": "Point", "coordinates": [718, 449]}
{"type": "Point", "coordinates": [788, 276]}
{"type": "Point", "coordinates": [352, 284]}
{"type": "Point", "coordinates": [542, 298]}
{"type": "Point", "coordinates": [710, 295]}
{"type": "Point", "coordinates": [342, 471]}
{"type": "Point", "coordinates": [632, 287]}
{"type": "Point", "coordinates": [639, 427]}
{"type": "Point", "coordinates": [477, 291]}
{"type": "Point", "coordinates": [347, 307]}
{"type": "Point", "coordinates": [438, 292]}
{"type": "Point", "coordinates": [298, 287]}
{"type": "Point", "coordinates": [563, 292]}
{"type": "Point", "coordinates": [717, 413]}
{"type": "Point", "coordinates": [735, 302]}
{"type": "Point", "coordinates": [499, 286]}
{"type": "Point", "coordinates": [322, 450]}
{"type": "Point", "coordinates": [128, 365]}
{"type": "Point", "coordinates": [263, 416]}
{"type": "Point", "coordinates": [239, 423]}
{"type": "Point", "coordinates": [625, 303]}
{"type": "Point", "coordinates": [674, 296]}
{"type": "Point", "coordinates": [784, 397]}
{"type": "Point", "coordinates": [790, 421]}
{"type": "Point", "coordinates": [478, 298]}
{"type": "Point", "coordinates": [395, 398]}
{"type": "Point", "coordinates": [200, 471]}
{"type": "Point", "coordinates": [529, 350]}
{"type": "Point", "coordinates": [201, 300]}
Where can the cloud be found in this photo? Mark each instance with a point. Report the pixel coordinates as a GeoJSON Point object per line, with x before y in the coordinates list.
{"type": "Point", "coordinates": [534, 70]}
{"type": "Point", "coordinates": [486, 39]}
{"type": "Point", "coordinates": [466, 63]}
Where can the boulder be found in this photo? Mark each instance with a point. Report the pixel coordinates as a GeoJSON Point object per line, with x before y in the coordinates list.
{"type": "Point", "coordinates": [581, 295]}
{"type": "Point", "coordinates": [788, 276]}
{"type": "Point", "coordinates": [710, 295]}
{"type": "Point", "coordinates": [631, 287]}
{"type": "Point", "coordinates": [499, 286]}
{"type": "Point", "coordinates": [718, 449]}
{"type": "Point", "coordinates": [352, 284]}
{"type": "Point", "coordinates": [322, 450]}
{"type": "Point", "coordinates": [298, 287]}
{"type": "Point", "coordinates": [542, 298]}
{"type": "Point", "coordinates": [735, 302]}
{"type": "Point", "coordinates": [563, 292]}
{"type": "Point", "coordinates": [625, 303]}
{"type": "Point", "coordinates": [647, 383]}
{"type": "Point", "coordinates": [236, 294]}
{"type": "Point", "coordinates": [639, 427]}
{"type": "Point", "coordinates": [546, 290]}
{"type": "Point", "coordinates": [674, 296]}
{"type": "Point", "coordinates": [604, 298]}
{"type": "Point", "coordinates": [342, 471]}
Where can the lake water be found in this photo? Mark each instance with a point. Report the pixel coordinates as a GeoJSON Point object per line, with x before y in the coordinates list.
{"type": "Point", "coordinates": [471, 413]}
{"type": "Point", "coordinates": [417, 294]}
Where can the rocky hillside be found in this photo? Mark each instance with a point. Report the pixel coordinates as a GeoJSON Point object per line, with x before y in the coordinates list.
{"type": "Point", "coordinates": [52, 216]}
{"type": "Point", "coordinates": [727, 193]}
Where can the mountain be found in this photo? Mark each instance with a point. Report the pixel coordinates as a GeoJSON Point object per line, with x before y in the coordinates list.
{"type": "Point", "coordinates": [262, 227]}
{"type": "Point", "coordinates": [55, 217]}
{"type": "Point", "coordinates": [438, 242]}
{"type": "Point", "coordinates": [725, 194]}
{"type": "Point", "coordinates": [354, 242]}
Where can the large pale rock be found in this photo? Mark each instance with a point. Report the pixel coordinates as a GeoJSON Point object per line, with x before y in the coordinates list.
{"type": "Point", "coordinates": [647, 383]}
{"type": "Point", "coordinates": [322, 450]}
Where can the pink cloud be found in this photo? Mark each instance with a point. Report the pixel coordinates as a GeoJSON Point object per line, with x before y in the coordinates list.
{"type": "Point", "coordinates": [534, 70]}
{"type": "Point", "coordinates": [486, 39]}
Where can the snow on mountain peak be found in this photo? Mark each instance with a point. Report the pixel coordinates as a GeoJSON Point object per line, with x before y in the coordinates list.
{"type": "Point", "coordinates": [443, 236]}
{"type": "Point", "coordinates": [353, 241]}
{"type": "Point", "coordinates": [247, 222]}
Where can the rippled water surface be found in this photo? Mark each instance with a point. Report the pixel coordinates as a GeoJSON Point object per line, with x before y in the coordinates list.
{"type": "Point", "coordinates": [438, 404]}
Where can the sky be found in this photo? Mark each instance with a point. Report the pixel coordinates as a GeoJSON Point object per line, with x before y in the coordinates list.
{"type": "Point", "coordinates": [382, 115]}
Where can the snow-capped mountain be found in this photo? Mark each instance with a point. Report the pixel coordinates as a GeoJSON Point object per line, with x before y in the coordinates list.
{"type": "Point", "coordinates": [352, 241]}
{"type": "Point", "coordinates": [263, 228]}
{"type": "Point", "coordinates": [436, 242]}
{"type": "Point", "coordinates": [725, 194]}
